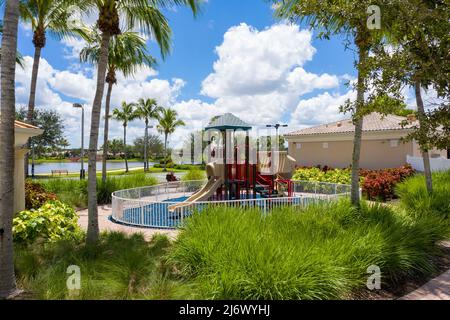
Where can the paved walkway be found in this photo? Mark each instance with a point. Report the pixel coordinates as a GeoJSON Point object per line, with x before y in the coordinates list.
{"type": "Point", "coordinates": [436, 289]}
{"type": "Point", "coordinates": [106, 225]}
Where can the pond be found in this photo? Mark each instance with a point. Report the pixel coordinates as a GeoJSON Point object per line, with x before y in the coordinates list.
{"type": "Point", "coordinates": [46, 168]}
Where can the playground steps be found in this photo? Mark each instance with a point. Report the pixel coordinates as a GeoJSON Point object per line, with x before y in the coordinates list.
{"type": "Point", "coordinates": [265, 192]}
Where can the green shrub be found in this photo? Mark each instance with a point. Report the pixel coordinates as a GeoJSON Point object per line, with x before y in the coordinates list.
{"type": "Point", "coordinates": [36, 195]}
{"type": "Point", "coordinates": [104, 190]}
{"type": "Point", "coordinates": [416, 200]}
{"type": "Point", "coordinates": [194, 175]}
{"type": "Point", "coordinates": [51, 222]}
{"type": "Point", "coordinates": [189, 167]}
{"type": "Point", "coordinates": [169, 165]}
{"type": "Point", "coordinates": [320, 252]}
{"type": "Point", "coordinates": [340, 176]}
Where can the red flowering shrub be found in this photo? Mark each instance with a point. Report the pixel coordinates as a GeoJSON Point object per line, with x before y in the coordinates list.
{"type": "Point", "coordinates": [380, 184]}
{"type": "Point", "coordinates": [375, 184]}
{"type": "Point", "coordinates": [36, 195]}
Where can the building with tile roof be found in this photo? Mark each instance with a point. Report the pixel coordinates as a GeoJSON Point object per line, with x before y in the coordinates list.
{"type": "Point", "coordinates": [382, 146]}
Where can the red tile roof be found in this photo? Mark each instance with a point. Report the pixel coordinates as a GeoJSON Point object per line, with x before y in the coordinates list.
{"type": "Point", "coordinates": [23, 125]}
{"type": "Point", "coordinates": [372, 122]}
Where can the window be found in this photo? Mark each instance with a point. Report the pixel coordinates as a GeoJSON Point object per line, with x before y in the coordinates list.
{"type": "Point", "coordinates": [394, 143]}
{"type": "Point", "coordinates": [325, 145]}
{"type": "Point", "coordinates": [298, 145]}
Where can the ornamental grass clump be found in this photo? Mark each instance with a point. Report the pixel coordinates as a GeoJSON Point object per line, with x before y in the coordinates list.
{"type": "Point", "coordinates": [318, 252]}
{"type": "Point", "coordinates": [120, 266]}
{"type": "Point", "coordinates": [417, 201]}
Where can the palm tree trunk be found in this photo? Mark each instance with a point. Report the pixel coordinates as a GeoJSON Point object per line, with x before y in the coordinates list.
{"type": "Point", "coordinates": [165, 152]}
{"type": "Point", "coordinates": [145, 146]}
{"type": "Point", "coordinates": [355, 194]}
{"type": "Point", "coordinates": [125, 146]}
{"type": "Point", "coordinates": [93, 229]}
{"type": "Point", "coordinates": [425, 154]}
{"type": "Point", "coordinates": [32, 98]}
{"type": "Point", "coordinates": [106, 131]}
{"type": "Point", "coordinates": [34, 76]}
{"type": "Point", "coordinates": [8, 70]}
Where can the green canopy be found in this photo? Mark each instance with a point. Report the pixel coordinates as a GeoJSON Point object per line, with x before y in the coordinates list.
{"type": "Point", "coordinates": [228, 121]}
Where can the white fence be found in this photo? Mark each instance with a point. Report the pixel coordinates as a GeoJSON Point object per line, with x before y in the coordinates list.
{"type": "Point", "coordinates": [151, 206]}
{"type": "Point", "coordinates": [437, 164]}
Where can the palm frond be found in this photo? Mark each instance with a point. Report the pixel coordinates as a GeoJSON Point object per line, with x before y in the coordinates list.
{"type": "Point", "coordinates": [127, 52]}
{"type": "Point", "coordinates": [168, 121]}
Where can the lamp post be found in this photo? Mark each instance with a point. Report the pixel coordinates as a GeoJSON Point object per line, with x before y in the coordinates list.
{"type": "Point", "coordinates": [82, 171]}
{"type": "Point", "coordinates": [277, 126]}
{"type": "Point", "coordinates": [32, 158]}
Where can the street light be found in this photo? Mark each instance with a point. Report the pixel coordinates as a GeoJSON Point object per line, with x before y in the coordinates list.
{"type": "Point", "coordinates": [277, 126]}
{"type": "Point", "coordinates": [82, 171]}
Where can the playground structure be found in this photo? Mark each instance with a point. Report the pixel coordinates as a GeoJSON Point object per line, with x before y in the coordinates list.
{"type": "Point", "coordinates": [237, 176]}
{"type": "Point", "coordinates": [232, 176]}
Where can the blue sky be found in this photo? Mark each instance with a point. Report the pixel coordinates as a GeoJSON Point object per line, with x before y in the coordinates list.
{"type": "Point", "coordinates": [234, 57]}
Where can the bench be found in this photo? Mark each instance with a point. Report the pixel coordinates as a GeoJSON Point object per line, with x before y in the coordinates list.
{"type": "Point", "coordinates": [60, 172]}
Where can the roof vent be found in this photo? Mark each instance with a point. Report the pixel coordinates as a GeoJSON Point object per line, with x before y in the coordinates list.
{"type": "Point", "coordinates": [339, 124]}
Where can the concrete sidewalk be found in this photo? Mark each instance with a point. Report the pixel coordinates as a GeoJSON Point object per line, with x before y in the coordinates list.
{"type": "Point", "coordinates": [106, 225]}
{"type": "Point", "coordinates": [436, 289]}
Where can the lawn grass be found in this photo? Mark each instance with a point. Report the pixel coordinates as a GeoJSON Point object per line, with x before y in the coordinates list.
{"type": "Point", "coordinates": [118, 172]}
{"type": "Point", "coordinates": [86, 159]}
{"type": "Point", "coordinates": [74, 191]}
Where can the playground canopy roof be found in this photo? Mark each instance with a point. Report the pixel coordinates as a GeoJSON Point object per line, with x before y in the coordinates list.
{"type": "Point", "coordinates": [228, 121]}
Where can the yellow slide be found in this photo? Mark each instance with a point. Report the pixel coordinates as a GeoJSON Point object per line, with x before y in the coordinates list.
{"type": "Point", "coordinates": [202, 195]}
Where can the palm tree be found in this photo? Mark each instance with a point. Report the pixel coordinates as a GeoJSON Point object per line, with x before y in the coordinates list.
{"type": "Point", "coordinates": [168, 123]}
{"type": "Point", "coordinates": [125, 115]}
{"type": "Point", "coordinates": [45, 15]}
{"type": "Point", "coordinates": [19, 57]}
{"type": "Point", "coordinates": [348, 18]}
{"type": "Point", "coordinates": [7, 115]}
{"type": "Point", "coordinates": [147, 109]}
{"type": "Point", "coordinates": [147, 17]}
{"type": "Point", "coordinates": [127, 52]}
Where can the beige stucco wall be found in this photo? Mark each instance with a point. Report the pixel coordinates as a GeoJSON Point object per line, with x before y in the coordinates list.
{"type": "Point", "coordinates": [21, 137]}
{"type": "Point", "coordinates": [376, 151]}
{"type": "Point", "coordinates": [434, 153]}
{"type": "Point", "coordinates": [19, 180]}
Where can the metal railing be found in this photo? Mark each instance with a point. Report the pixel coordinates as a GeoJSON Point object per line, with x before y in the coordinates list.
{"type": "Point", "coordinates": [162, 206]}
